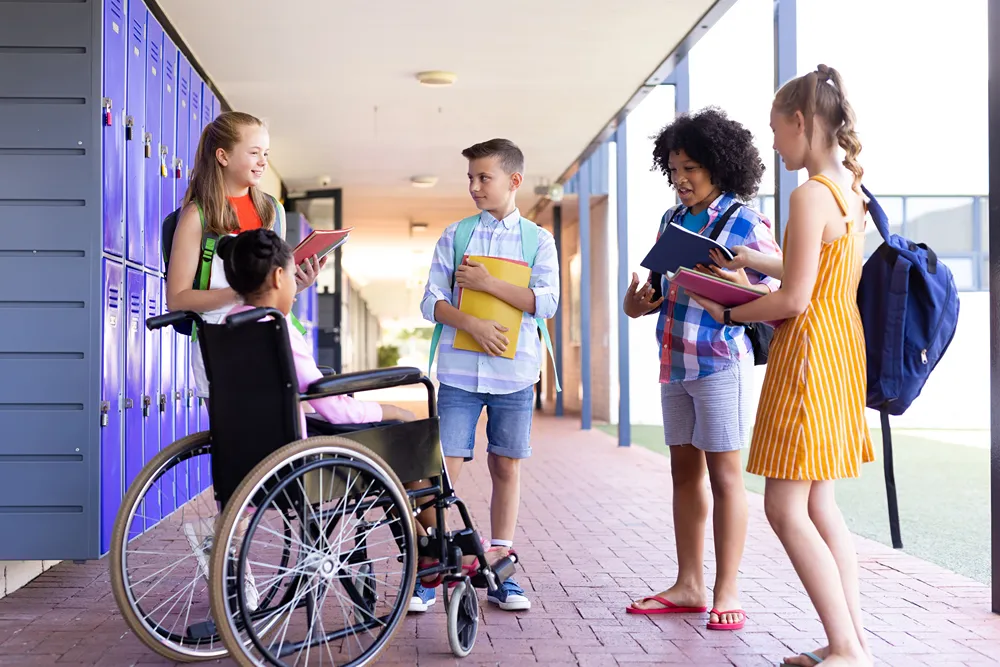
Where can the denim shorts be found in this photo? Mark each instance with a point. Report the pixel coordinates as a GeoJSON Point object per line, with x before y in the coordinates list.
{"type": "Point", "coordinates": [508, 422]}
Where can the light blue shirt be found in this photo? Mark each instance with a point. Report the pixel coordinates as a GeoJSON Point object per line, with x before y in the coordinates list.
{"type": "Point", "coordinates": [475, 371]}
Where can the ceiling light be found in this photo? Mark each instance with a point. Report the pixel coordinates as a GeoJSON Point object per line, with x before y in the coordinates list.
{"type": "Point", "coordinates": [418, 226]}
{"type": "Point", "coordinates": [424, 181]}
{"type": "Point", "coordinates": [436, 78]}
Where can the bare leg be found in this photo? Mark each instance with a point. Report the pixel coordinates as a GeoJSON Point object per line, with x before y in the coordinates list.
{"type": "Point", "coordinates": [690, 505]}
{"type": "Point", "coordinates": [506, 475]}
{"type": "Point", "coordinates": [787, 506]}
{"type": "Point", "coordinates": [725, 470]}
{"type": "Point", "coordinates": [829, 521]}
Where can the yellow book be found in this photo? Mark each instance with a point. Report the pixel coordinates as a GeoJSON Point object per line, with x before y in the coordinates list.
{"type": "Point", "coordinates": [488, 307]}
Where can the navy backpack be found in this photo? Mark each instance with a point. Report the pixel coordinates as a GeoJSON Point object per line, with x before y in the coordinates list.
{"type": "Point", "coordinates": [909, 309]}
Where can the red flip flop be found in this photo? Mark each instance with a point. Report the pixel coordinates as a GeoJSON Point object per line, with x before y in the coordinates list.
{"type": "Point", "coordinates": [667, 608]}
{"type": "Point", "coordinates": [727, 626]}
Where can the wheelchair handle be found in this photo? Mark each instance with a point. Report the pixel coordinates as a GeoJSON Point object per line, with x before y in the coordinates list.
{"type": "Point", "coordinates": [168, 319]}
{"type": "Point", "coordinates": [248, 316]}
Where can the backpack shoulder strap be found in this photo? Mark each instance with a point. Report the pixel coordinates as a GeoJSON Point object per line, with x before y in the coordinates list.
{"type": "Point", "coordinates": [209, 240]}
{"type": "Point", "coordinates": [529, 250]}
{"type": "Point", "coordinates": [720, 224]}
{"type": "Point", "coordinates": [279, 216]}
{"type": "Point", "coordinates": [463, 235]}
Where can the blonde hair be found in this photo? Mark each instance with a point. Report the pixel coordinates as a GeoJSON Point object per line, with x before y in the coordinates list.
{"type": "Point", "coordinates": [207, 186]}
{"type": "Point", "coordinates": [821, 93]}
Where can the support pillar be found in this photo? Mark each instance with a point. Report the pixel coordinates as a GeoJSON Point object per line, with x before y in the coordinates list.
{"type": "Point", "coordinates": [621, 196]}
{"type": "Point", "coordinates": [994, 222]}
{"type": "Point", "coordinates": [785, 68]}
{"type": "Point", "coordinates": [557, 347]}
{"type": "Point", "coordinates": [585, 365]}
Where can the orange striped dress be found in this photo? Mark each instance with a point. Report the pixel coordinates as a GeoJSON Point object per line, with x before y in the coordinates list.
{"type": "Point", "coordinates": [811, 416]}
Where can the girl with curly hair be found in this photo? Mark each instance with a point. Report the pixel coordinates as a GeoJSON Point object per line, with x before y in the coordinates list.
{"type": "Point", "coordinates": [706, 368]}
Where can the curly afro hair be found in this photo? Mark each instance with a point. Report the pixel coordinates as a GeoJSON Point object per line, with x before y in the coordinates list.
{"type": "Point", "coordinates": [720, 145]}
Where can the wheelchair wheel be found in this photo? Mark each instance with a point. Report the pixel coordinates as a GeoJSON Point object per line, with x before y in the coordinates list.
{"type": "Point", "coordinates": [158, 576]}
{"type": "Point", "coordinates": [344, 507]}
{"type": "Point", "coordinates": [463, 618]}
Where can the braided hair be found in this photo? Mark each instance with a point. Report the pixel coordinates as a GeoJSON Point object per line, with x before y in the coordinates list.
{"type": "Point", "coordinates": [250, 257]}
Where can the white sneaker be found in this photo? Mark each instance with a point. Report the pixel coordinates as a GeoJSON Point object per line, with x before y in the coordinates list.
{"type": "Point", "coordinates": [200, 535]}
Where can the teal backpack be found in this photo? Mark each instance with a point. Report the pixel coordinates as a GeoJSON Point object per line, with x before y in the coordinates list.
{"type": "Point", "coordinates": [529, 248]}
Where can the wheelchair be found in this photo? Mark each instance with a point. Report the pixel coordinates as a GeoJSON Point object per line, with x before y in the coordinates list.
{"type": "Point", "coordinates": [279, 549]}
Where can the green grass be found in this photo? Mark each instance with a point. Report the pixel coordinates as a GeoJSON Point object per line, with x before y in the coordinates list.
{"type": "Point", "coordinates": [943, 490]}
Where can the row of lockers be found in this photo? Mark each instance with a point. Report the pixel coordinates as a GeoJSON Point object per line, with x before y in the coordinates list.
{"type": "Point", "coordinates": [154, 108]}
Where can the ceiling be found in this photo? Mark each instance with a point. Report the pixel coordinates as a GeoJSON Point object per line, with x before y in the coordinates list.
{"type": "Point", "coordinates": [335, 80]}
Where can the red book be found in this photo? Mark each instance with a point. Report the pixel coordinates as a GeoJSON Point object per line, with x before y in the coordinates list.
{"type": "Point", "coordinates": [321, 242]}
{"type": "Point", "coordinates": [718, 290]}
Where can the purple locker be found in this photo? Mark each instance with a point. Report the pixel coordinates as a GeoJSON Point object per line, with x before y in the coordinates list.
{"type": "Point", "coordinates": [216, 107]}
{"type": "Point", "coordinates": [167, 405]}
{"type": "Point", "coordinates": [113, 126]}
{"type": "Point", "coordinates": [194, 131]}
{"type": "Point", "coordinates": [151, 393]}
{"type": "Point", "coordinates": [181, 411]}
{"type": "Point", "coordinates": [135, 130]}
{"type": "Point", "coordinates": [183, 164]}
{"type": "Point", "coordinates": [152, 141]}
{"type": "Point", "coordinates": [207, 105]}
{"type": "Point", "coordinates": [111, 398]}
{"type": "Point", "coordinates": [168, 151]}
{"type": "Point", "coordinates": [135, 342]}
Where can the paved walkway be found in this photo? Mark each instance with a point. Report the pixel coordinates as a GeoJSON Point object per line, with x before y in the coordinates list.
{"type": "Point", "coordinates": [589, 545]}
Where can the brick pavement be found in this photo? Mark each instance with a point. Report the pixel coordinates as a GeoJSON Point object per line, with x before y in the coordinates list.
{"type": "Point", "coordinates": [589, 546]}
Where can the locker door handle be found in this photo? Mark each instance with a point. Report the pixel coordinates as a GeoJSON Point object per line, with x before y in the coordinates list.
{"type": "Point", "coordinates": [105, 409]}
{"type": "Point", "coordinates": [128, 403]}
{"type": "Point", "coordinates": [146, 402]}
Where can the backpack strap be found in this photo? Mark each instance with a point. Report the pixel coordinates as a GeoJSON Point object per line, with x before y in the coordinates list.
{"type": "Point", "coordinates": [529, 249]}
{"type": "Point", "coordinates": [209, 241]}
{"type": "Point", "coordinates": [279, 216]}
{"type": "Point", "coordinates": [463, 235]}
{"type": "Point", "coordinates": [720, 224]}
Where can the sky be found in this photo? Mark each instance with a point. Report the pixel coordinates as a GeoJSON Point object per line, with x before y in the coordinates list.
{"type": "Point", "coordinates": [916, 75]}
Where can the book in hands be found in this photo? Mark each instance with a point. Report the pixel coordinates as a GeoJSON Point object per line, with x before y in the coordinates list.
{"type": "Point", "coordinates": [320, 242]}
{"type": "Point", "coordinates": [678, 247]}
{"type": "Point", "coordinates": [488, 307]}
{"type": "Point", "coordinates": [719, 290]}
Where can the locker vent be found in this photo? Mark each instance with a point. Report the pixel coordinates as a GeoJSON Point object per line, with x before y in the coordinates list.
{"type": "Point", "coordinates": [117, 10]}
{"type": "Point", "coordinates": [114, 296]}
{"type": "Point", "coordinates": [138, 30]}
{"type": "Point", "coordinates": [154, 52]}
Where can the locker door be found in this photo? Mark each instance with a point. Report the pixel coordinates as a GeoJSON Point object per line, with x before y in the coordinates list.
{"type": "Point", "coordinates": [168, 154]}
{"type": "Point", "coordinates": [112, 487]}
{"type": "Point", "coordinates": [207, 105]}
{"type": "Point", "coordinates": [135, 343]}
{"type": "Point", "coordinates": [194, 132]}
{"type": "Point", "coordinates": [168, 406]}
{"type": "Point", "coordinates": [180, 414]}
{"type": "Point", "coordinates": [151, 393]}
{"type": "Point", "coordinates": [216, 107]}
{"type": "Point", "coordinates": [135, 114]}
{"type": "Point", "coordinates": [113, 125]}
{"type": "Point", "coordinates": [183, 127]}
{"type": "Point", "coordinates": [151, 142]}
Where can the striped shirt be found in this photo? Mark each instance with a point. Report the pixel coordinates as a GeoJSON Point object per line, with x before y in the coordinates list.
{"type": "Point", "coordinates": [474, 371]}
{"type": "Point", "coordinates": [691, 343]}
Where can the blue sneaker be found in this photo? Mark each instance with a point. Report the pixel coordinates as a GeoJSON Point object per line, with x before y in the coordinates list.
{"type": "Point", "coordinates": [510, 597]}
{"type": "Point", "coordinates": [422, 599]}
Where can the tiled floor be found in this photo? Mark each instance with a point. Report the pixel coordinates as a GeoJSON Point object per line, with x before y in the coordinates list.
{"type": "Point", "coordinates": [594, 529]}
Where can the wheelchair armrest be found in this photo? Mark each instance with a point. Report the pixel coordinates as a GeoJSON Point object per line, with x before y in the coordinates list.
{"type": "Point", "coordinates": [247, 316]}
{"type": "Point", "coordinates": [349, 383]}
{"type": "Point", "coordinates": [175, 317]}
{"type": "Point", "coordinates": [326, 370]}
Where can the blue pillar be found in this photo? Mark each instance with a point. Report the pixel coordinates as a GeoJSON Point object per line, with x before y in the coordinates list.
{"type": "Point", "coordinates": [785, 68]}
{"type": "Point", "coordinates": [681, 79]}
{"type": "Point", "coordinates": [993, 115]}
{"type": "Point", "coordinates": [583, 192]}
{"type": "Point", "coordinates": [558, 342]}
{"type": "Point", "coordinates": [621, 195]}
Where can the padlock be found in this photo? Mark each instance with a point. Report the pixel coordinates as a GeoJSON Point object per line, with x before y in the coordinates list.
{"type": "Point", "coordinates": [178, 168]}
{"type": "Point", "coordinates": [105, 409]}
{"type": "Point", "coordinates": [163, 402]}
{"type": "Point", "coordinates": [146, 402]}
{"type": "Point", "coordinates": [147, 141]}
{"type": "Point", "coordinates": [129, 123]}
{"type": "Point", "coordinates": [106, 110]}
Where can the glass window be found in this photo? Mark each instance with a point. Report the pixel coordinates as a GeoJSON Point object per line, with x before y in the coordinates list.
{"type": "Point", "coordinates": [984, 276]}
{"type": "Point", "coordinates": [963, 270]}
{"type": "Point", "coordinates": [943, 223]}
{"type": "Point", "coordinates": [984, 224]}
{"type": "Point", "coordinates": [893, 207]}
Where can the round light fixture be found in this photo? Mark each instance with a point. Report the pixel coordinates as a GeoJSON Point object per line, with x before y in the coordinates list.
{"type": "Point", "coordinates": [424, 181]}
{"type": "Point", "coordinates": [436, 78]}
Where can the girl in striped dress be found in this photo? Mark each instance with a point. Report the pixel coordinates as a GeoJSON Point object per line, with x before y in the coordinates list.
{"type": "Point", "coordinates": [810, 428]}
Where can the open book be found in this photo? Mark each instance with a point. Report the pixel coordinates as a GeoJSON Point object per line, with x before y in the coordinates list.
{"type": "Point", "coordinates": [320, 242]}
{"type": "Point", "coordinates": [678, 247]}
{"type": "Point", "coordinates": [719, 290]}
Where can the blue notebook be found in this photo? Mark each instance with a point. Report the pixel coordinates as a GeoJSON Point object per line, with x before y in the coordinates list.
{"type": "Point", "coordinates": [679, 248]}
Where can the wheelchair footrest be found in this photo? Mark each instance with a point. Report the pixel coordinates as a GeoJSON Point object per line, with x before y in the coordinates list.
{"type": "Point", "coordinates": [203, 630]}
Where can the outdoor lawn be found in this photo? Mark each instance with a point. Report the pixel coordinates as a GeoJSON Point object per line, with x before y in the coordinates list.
{"type": "Point", "coordinates": [944, 493]}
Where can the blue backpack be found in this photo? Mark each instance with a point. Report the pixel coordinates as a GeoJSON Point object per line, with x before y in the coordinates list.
{"type": "Point", "coordinates": [909, 309]}
{"type": "Point", "coordinates": [529, 248]}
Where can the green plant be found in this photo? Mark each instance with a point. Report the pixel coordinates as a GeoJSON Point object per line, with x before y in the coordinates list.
{"type": "Point", "coordinates": [388, 356]}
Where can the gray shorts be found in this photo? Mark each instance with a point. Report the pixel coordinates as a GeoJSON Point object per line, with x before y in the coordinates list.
{"type": "Point", "coordinates": [712, 412]}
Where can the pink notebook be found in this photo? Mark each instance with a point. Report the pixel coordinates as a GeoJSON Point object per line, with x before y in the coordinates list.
{"type": "Point", "coordinates": [717, 289]}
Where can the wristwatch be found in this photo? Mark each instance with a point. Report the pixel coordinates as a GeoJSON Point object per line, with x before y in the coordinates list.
{"type": "Point", "coordinates": [727, 317]}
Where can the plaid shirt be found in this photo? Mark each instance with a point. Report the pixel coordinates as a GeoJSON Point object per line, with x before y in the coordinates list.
{"type": "Point", "coordinates": [691, 343]}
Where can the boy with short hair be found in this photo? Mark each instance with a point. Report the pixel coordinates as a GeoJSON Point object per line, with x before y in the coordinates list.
{"type": "Point", "coordinates": [471, 381]}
